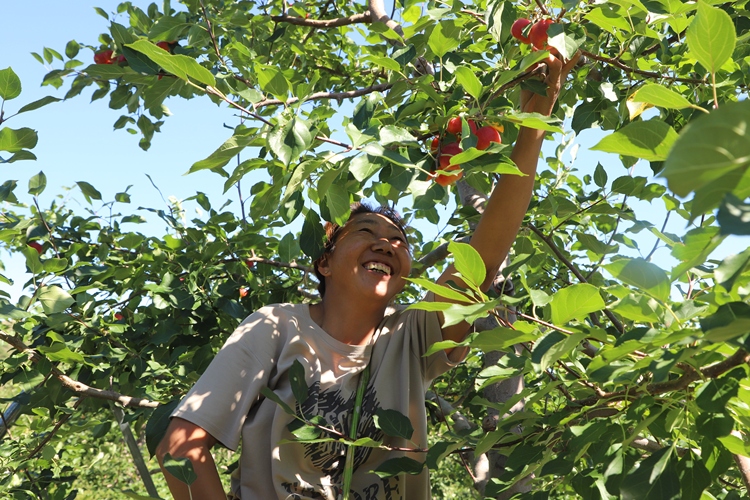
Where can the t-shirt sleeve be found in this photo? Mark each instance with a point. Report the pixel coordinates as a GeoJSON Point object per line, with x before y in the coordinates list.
{"type": "Point", "coordinates": [222, 397]}
{"type": "Point", "coordinates": [426, 330]}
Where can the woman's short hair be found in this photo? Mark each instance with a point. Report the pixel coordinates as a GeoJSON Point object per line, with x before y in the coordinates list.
{"type": "Point", "coordinates": [333, 230]}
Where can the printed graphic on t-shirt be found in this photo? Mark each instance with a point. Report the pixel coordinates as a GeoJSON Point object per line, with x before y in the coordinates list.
{"type": "Point", "coordinates": [329, 457]}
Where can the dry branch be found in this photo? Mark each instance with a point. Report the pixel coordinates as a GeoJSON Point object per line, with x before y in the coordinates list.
{"type": "Point", "coordinates": [324, 23]}
{"type": "Point", "coordinates": [74, 385]}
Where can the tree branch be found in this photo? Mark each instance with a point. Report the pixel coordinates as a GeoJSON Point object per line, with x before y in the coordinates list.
{"type": "Point", "coordinates": [616, 322]}
{"type": "Point", "coordinates": [681, 383]}
{"type": "Point", "coordinates": [274, 263]}
{"type": "Point", "coordinates": [326, 95]}
{"type": "Point", "coordinates": [658, 76]}
{"type": "Point", "coordinates": [74, 385]}
{"type": "Point", "coordinates": [365, 17]}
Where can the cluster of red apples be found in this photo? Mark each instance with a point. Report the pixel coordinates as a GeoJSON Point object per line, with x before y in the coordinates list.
{"type": "Point", "coordinates": [536, 35]}
{"type": "Point", "coordinates": [485, 136]}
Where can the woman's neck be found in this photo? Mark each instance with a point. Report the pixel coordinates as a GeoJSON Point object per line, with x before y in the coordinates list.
{"type": "Point", "coordinates": [347, 322]}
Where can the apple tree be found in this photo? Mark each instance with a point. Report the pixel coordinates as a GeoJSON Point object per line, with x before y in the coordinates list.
{"type": "Point", "coordinates": [595, 372]}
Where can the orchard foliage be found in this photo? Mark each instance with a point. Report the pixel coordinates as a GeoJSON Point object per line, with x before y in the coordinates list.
{"type": "Point", "coordinates": [636, 376]}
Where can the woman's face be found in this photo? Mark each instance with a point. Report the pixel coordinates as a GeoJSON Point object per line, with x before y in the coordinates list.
{"type": "Point", "coordinates": [370, 257]}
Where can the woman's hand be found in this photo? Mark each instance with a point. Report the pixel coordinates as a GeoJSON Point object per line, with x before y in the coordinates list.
{"type": "Point", "coordinates": [557, 72]}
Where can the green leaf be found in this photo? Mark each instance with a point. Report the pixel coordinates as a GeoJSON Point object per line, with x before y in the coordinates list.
{"type": "Point", "coordinates": [183, 67]}
{"type": "Point", "coordinates": [649, 140]}
{"type": "Point", "coordinates": [728, 322]}
{"type": "Point", "coordinates": [734, 216]}
{"type": "Point", "coordinates": [554, 346]}
{"type": "Point", "coordinates": [711, 37]}
{"type": "Point", "coordinates": [59, 352]}
{"type": "Point", "coordinates": [272, 80]}
{"type": "Point", "coordinates": [231, 148]}
{"type": "Point", "coordinates": [289, 139]}
{"type": "Point", "coordinates": [38, 103]}
{"type": "Point", "coordinates": [600, 175]}
{"type": "Point", "coordinates": [694, 476]}
{"type": "Point", "coordinates": [659, 95]}
{"type": "Point", "coordinates": [268, 393]}
{"type": "Point", "coordinates": [71, 49]}
{"type": "Point", "coordinates": [468, 262]}
{"type": "Point", "coordinates": [288, 247]}
{"type": "Point", "coordinates": [709, 147]}
{"type": "Point", "coordinates": [54, 299]}
{"type": "Point", "coordinates": [55, 265]}
{"type": "Point", "coordinates": [89, 191]}
{"type": "Point", "coordinates": [10, 84]}
{"type": "Point", "coordinates": [396, 466]}
{"type": "Point", "coordinates": [638, 307]}
{"type": "Point", "coordinates": [444, 38]}
{"type": "Point", "coordinates": [393, 423]}
{"type": "Point", "coordinates": [501, 338]}
{"type": "Point", "coordinates": [469, 81]}
{"type": "Point", "coordinates": [575, 302]}
{"type": "Point", "coordinates": [37, 183]}
{"type": "Point", "coordinates": [714, 425]}
{"type": "Point", "coordinates": [655, 478]}
{"type": "Point", "coordinates": [731, 268]}
{"type": "Point", "coordinates": [713, 396]}
{"type": "Point", "coordinates": [645, 276]}
{"type": "Point", "coordinates": [390, 134]}
{"type": "Point", "coordinates": [313, 235]}
{"type": "Point", "coordinates": [337, 201]}
{"type": "Point", "coordinates": [439, 290]}
{"type": "Point", "coordinates": [362, 168]}
{"type": "Point", "coordinates": [535, 121]}
{"type": "Point", "coordinates": [456, 313]}
{"type": "Point", "coordinates": [297, 381]}
{"type": "Point", "coordinates": [157, 424]}
{"type": "Point", "coordinates": [14, 141]}
{"type": "Point", "coordinates": [181, 468]}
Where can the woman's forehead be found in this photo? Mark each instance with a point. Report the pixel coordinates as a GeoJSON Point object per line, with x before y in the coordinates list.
{"type": "Point", "coordinates": [372, 219]}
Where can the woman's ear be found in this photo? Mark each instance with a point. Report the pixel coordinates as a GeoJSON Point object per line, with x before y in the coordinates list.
{"type": "Point", "coordinates": [322, 266]}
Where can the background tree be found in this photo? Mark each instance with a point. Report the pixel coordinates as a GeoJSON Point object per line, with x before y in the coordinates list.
{"type": "Point", "coordinates": [635, 377]}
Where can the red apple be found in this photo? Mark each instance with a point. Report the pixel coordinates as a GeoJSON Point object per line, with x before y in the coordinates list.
{"type": "Point", "coordinates": [243, 292]}
{"type": "Point", "coordinates": [435, 143]}
{"type": "Point", "coordinates": [517, 30]}
{"type": "Point", "coordinates": [163, 45]}
{"type": "Point", "coordinates": [104, 57]}
{"type": "Point", "coordinates": [487, 135]}
{"type": "Point", "coordinates": [36, 246]}
{"type": "Point", "coordinates": [447, 152]}
{"type": "Point", "coordinates": [538, 33]}
{"type": "Point", "coordinates": [121, 59]}
{"type": "Point", "coordinates": [119, 317]}
{"type": "Point", "coordinates": [454, 125]}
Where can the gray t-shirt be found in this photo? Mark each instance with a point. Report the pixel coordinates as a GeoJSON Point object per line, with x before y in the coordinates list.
{"type": "Point", "coordinates": [226, 402]}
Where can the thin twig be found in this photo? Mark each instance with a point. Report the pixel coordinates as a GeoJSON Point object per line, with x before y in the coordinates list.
{"type": "Point", "coordinates": [54, 430]}
{"type": "Point", "coordinates": [663, 226]}
{"type": "Point", "coordinates": [211, 33]}
{"type": "Point", "coordinates": [614, 232]}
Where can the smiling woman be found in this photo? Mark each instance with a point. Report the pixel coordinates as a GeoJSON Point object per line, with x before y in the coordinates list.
{"type": "Point", "coordinates": [343, 367]}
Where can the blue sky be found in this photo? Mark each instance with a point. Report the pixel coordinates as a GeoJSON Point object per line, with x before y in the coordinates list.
{"type": "Point", "coordinates": [77, 142]}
